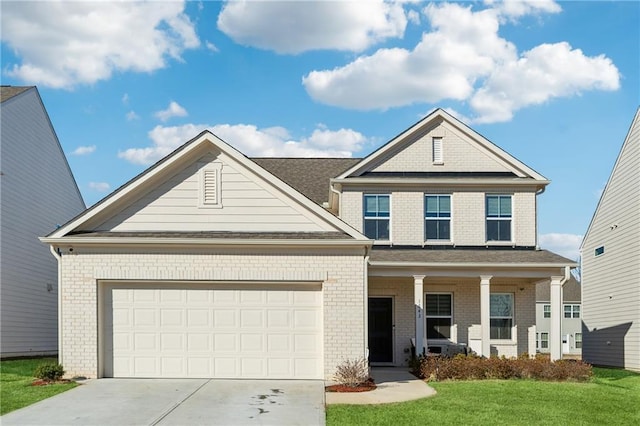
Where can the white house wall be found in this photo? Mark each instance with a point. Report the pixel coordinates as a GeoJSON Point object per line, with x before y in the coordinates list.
{"type": "Point", "coordinates": [37, 193]}
{"type": "Point", "coordinates": [247, 205]}
{"type": "Point", "coordinates": [339, 271]}
{"type": "Point", "coordinates": [459, 155]}
{"type": "Point", "coordinates": [610, 282]}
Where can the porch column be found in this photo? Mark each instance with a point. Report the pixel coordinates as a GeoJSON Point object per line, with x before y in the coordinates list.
{"type": "Point", "coordinates": [418, 293]}
{"type": "Point", "coordinates": [485, 317]}
{"type": "Point", "coordinates": [555, 334]}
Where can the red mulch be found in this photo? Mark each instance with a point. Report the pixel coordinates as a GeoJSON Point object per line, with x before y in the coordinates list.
{"type": "Point", "coordinates": [367, 386]}
{"type": "Point", "coordinates": [42, 382]}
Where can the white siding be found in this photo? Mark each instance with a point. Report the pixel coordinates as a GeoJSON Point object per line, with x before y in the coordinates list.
{"type": "Point", "coordinates": [247, 203]}
{"type": "Point", "coordinates": [611, 281]}
{"type": "Point", "coordinates": [37, 192]}
{"type": "Point", "coordinates": [459, 155]}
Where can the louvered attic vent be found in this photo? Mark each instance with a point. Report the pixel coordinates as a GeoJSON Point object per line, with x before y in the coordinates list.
{"type": "Point", "coordinates": [438, 157]}
{"type": "Point", "coordinates": [210, 185]}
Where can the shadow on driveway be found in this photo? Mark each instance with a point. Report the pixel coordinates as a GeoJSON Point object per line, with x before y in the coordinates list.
{"type": "Point", "coordinates": [179, 402]}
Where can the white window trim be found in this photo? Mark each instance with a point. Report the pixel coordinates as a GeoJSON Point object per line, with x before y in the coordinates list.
{"type": "Point", "coordinates": [544, 312]}
{"type": "Point", "coordinates": [511, 221]}
{"type": "Point", "coordinates": [514, 337]}
{"type": "Point", "coordinates": [437, 145]}
{"type": "Point", "coordinates": [216, 168]}
{"type": "Point", "coordinates": [379, 242]}
{"type": "Point", "coordinates": [572, 311]}
{"type": "Point", "coordinates": [547, 340]}
{"type": "Point", "coordinates": [453, 335]}
{"type": "Point", "coordinates": [424, 219]}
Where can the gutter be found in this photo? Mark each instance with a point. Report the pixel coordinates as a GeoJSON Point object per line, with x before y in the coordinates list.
{"type": "Point", "coordinates": [147, 241]}
{"type": "Point", "coordinates": [471, 265]}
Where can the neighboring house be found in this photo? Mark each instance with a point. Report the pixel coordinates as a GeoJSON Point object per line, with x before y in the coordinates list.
{"type": "Point", "coordinates": [571, 317]}
{"type": "Point", "coordinates": [211, 264]}
{"type": "Point", "coordinates": [37, 191]}
{"type": "Point", "coordinates": [611, 265]}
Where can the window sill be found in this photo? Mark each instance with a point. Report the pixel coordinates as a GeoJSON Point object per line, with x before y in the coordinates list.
{"type": "Point", "coordinates": [438, 243]}
{"type": "Point", "coordinates": [500, 243]}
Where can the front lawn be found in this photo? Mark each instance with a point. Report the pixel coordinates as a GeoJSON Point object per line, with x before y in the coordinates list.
{"type": "Point", "coordinates": [611, 397]}
{"type": "Point", "coordinates": [15, 384]}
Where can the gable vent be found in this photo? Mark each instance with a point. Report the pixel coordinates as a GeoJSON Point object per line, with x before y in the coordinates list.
{"type": "Point", "coordinates": [210, 185]}
{"type": "Point", "coordinates": [438, 157]}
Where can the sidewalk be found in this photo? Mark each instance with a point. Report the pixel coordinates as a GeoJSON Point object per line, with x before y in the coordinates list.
{"type": "Point", "coordinates": [394, 385]}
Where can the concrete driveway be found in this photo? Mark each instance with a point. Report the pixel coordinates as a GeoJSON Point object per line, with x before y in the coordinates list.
{"type": "Point", "coordinates": [179, 402]}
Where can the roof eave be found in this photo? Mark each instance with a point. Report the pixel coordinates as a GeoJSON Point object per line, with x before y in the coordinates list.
{"type": "Point", "coordinates": [469, 265]}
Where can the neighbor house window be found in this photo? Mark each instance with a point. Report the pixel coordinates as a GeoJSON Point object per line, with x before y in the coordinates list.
{"type": "Point", "coordinates": [498, 209]}
{"type": "Point", "coordinates": [578, 340]}
{"type": "Point", "coordinates": [377, 216]}
{"type": "Point", "coordinates": [501, 313]}
{"type": "Point", "coordinates": [439, 315]}
{"type": "Point", "coordinates": [600, 251]}
{"type": "Point", "coordinates": [438, 155]}
{"type": "Point", "coordinates": [546, 311]}
{"type": "Point", "coordinates": [437, 217]}
{"type": "Point", "coordinates": [544, 340]}
{"type": "Point", "coordinates": [572, 311]}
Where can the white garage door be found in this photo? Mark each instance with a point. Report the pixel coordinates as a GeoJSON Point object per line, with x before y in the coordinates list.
{"type": "Point", "coordinates": [156, 330]}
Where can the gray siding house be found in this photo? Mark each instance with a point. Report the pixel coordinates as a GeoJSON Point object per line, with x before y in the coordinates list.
{"type": "Point", "coordinates": [37, 191]}
{"type": "Point", "coordinates": [212, 264]}
{"type": "Point", "coordinates": [571, 318]}
{"type": "Point", "coordinates": [611, 265]}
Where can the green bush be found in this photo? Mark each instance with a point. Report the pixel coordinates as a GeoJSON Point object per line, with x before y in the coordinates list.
{"type": "Point", "coordinates": [51, 371]}
{"type": "Point", "coordinates": [461, 367]}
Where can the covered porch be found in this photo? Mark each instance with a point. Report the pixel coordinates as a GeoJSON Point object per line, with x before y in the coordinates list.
{"type": "Point", "coordinates": [482, 300]}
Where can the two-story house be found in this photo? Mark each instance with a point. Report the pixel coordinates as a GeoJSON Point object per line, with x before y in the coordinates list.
{"type": "Point", "coordinates": [211, 264]}
{"type": "Point", "coordinates": [37, 192]}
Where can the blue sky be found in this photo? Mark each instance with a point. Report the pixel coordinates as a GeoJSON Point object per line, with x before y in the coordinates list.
{"type": "Point", "coordinates": [555, 84]}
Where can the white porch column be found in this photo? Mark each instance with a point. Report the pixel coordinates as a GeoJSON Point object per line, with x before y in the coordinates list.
{"type": "Point", "coordinates": [555, 334]}
{"type": "Point", "coordinates": [418, 295]}
{"type": "Point", "coordinates": [485, 317]}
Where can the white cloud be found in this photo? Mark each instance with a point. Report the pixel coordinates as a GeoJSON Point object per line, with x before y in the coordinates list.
{"type": "Point", "coordinates": [294, 27]}
{"type": "Point", "coordinates": [64, 44]}
{"type": "Point", "coordinates": [131, 116]}
{"type": "Point", "coordinates": [173, 110]}
{"type": "Point", "coordinates": [512, 9]}
{"type": "Point", "coordinates": [125, 99]}
{"type": "Point", "coordinates": [84, 150]}
{"type": "Point", "coordinates": [212, 47]}
{"type": "Point", "coordinates": [567, 245]}
{"type": "Point", "coordinates": [465, 59]}
{"type": "Point", "coordinates": [99, 186]}
{"type": "Point", "coordinates": [251, 141]}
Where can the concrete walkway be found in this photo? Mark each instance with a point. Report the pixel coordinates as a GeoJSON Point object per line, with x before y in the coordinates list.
{"type": "Point", "coordinates": [394, 385]}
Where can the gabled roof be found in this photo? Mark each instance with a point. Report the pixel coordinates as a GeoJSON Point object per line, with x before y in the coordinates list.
{"type": "Point", "coordinates": [627, 141]}
{"type": "Point", "coordinates": [408, 136]}
{"type": "Point", "coordinates": [8, 92]}
{"type": "Point", "coordinates": [158, 170]}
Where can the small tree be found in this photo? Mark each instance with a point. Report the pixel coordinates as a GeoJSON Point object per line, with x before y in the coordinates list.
{"type": "Point", "coordinates": [352, 372]}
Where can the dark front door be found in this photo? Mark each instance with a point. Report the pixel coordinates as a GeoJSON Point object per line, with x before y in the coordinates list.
{"type": "Point", "coordinates": [380, 329]}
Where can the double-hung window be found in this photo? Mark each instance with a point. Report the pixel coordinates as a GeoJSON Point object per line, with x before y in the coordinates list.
{"type": "Point", "coordinates": [572, 311]}
{"type": "Point", "coordinates": [546, 309]}
{"type": "Point", "coordinates": [498, 210]}
{"type": "Point", "coordinates": [501, 315]}
{"type": "Point", "coordinates": [377, 216]}
{"type": "Point", "coordinates": [578, 337]}
{"type": "Point", "coordinates": [439, 315]}
{"type": "Point", "coordinates": [544, 340]}
{"type": "Point", "coordinates": [437, 217]}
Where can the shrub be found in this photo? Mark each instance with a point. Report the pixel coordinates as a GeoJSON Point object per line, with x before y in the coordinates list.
{"type": "Point", "coordinates": [352, 372]}
{"type": "Point", "coordinates": [50, 371]}
{"type": "Point", "coordinates": [471, 367]}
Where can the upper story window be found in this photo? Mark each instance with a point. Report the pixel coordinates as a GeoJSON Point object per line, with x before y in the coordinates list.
{"type": "Point", "coordinates": [572, 311]}
{"type": "Point", "coordinates": [501, 315]}
{"type": "Point", "coordinates": [438, 154]}
{"type": "Point", "coordinates": [547, 311]}
{"type": "Point", "coordinates": [439, 315]}
{"type": "Point", "coordinates": [498, 210]}
{"type": "Point", "coordinates": [437, 217]}
{"type": "Point", "coordinates": [377, 215]}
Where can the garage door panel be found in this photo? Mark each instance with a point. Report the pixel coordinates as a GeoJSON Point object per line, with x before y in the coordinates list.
{"type": "Point", "coordinates": [208, 331]}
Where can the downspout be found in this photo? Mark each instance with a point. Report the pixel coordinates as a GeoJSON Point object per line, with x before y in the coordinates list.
{"type": "Point", "coordinates": [538, 192]}
{"type": "Point", "coordinates": [59, 258]}
{"type": "Point", "coordinates": [366, 305]}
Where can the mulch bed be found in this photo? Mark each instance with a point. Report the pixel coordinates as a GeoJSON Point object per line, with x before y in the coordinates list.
{"type": "Point", "coordinates": [367, 386]}
{"type": "Point", "coordinates": [42, 382]}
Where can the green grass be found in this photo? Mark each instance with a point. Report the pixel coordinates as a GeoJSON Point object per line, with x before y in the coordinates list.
{"type": "Point", "coordinates": [611, 397]}
{"type": "Point", "coordinates": [15, 384]}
